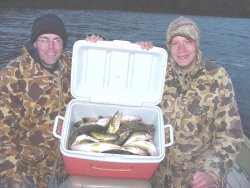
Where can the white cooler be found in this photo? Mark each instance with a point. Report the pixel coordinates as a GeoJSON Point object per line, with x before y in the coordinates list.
{"type": "Point", "coordinates": [106, 77]}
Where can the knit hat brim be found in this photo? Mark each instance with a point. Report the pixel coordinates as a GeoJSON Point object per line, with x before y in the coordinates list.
{"type": "Point", "coordinates": [46, 24]}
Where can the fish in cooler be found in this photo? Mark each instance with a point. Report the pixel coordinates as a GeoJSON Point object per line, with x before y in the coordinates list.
{"type": "Point", "coordinates": [119, 134]}
{"type": "Point", "coordinates": [94, 147]}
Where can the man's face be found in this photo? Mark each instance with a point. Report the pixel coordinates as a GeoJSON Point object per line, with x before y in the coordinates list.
{"type": "Point", "coordinates": [49, 48]}
{"type": "Point", "coordinates": [184, 52]}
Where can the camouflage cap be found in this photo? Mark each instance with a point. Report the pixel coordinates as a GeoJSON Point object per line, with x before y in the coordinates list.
{"type": "Point", "coordinates": [185, 27]}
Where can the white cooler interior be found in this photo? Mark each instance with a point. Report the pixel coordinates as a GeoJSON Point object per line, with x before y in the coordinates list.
{"type": "Point", "coordinates": [118, 73]}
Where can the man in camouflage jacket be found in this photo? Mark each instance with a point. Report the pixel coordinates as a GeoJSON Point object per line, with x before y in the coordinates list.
{"type": "Point", "coordinates": [33, 92]}
{"type": "Point", "coordinates": [199, 102]}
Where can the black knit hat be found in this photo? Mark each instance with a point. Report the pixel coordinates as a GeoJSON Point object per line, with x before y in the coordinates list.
{"type": "Point", "coordinates": [48, 23]}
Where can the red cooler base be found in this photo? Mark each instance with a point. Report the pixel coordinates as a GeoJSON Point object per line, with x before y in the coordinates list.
{"type": "Point", "coordinates": [77, 166]}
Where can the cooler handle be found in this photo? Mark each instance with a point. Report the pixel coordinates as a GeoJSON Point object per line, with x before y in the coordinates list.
{"type": "Point", "coordinates": [97, 167]}
{"type": "Point", "coordinates": [55, 127]}
{"type": "Point", "coordinates": [171, 135]}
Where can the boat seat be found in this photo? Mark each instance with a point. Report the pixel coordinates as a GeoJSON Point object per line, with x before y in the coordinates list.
{"type": "Point", "coordinates": [243, 159]}
{"type": "Point", "coordinates": [77, 181]}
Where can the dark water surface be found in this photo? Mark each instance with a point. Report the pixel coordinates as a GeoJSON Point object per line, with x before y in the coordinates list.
{"type": "Point", "coordinates": [223, 40]}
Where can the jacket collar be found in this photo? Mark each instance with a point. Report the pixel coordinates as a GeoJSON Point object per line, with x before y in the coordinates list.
{"type": "Point", "coordinates": [185, 79]}
{"type": "Point", "coordinates": [31, 68]}
{"type": "Point", "coordinates": [33, 53]}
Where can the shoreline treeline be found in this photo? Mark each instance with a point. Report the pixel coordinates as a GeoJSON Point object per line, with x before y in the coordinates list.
{"type": "Point", "coordinates": [223, 8]}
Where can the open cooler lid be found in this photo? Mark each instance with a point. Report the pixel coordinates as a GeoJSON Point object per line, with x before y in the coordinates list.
{"type": "Point", "coordinates": [118, 72]}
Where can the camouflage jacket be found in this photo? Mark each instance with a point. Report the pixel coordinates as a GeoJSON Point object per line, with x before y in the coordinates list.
{"type": "Point", "coordinates": [202, 108]}
{"type": "Point", "coordinates": [31, 98]}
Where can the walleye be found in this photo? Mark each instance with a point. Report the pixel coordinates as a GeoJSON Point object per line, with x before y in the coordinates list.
{"type": "Point", "coordinates": [123, 137]}
{"type": "Point", "coordinates": [102, 121]}
{"type": "Point", "coordinates": [135, 150]}
{"type": "Point", "coordinates": [118, 151]}
{"type": "Point", "coordinates": [136, 127]}
{"type": "Point", "coordinates": [86, 129]}
{"type": "Point", "coordinates": [114, 123]}
{"type": "Point", "coordinates": [130, 118]}
{"type": "Point", "coordinates": [83, 138]}
{"type": "Point", "coordinates": [103, 137]}
{"type": "Point", "coordinates": [138, 136]}
{"type": "Point", "coordinates": [148, 146]}
{"type": "Point", "coordinates": [86, 121]}
{"type": "Point", "coordinates": [94, 147]}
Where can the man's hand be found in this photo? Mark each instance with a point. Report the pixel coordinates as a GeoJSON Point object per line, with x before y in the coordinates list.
{"type": "Point", "coordinates": [145, 44]}
{"type": "Point", "coordinates": [94, 38]}
{"type": "Point", "coordinates": [202, 180]}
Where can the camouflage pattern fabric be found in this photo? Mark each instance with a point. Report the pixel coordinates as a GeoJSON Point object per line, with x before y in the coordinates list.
{"type": "Point", "coordinates": [202, 108]}
{"type": "Point", "coordinates": [31, 98]}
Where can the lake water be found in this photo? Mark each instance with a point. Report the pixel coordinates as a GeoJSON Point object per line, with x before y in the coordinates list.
{"type": "Point", "coordinates": [223, 40]}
